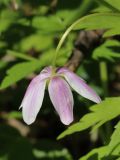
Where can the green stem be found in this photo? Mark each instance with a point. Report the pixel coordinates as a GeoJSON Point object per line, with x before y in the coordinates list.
{"type": "Point", "coordinates": [105, 133]}
{"type": "Point", "coordinates": [104, 77]}
{"type": "Point", "coordinates": [62, 40]}
{"type": "Point", "coordinates": [84, 6]}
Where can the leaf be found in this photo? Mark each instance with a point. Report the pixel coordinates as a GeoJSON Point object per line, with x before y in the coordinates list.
{"type": "Point", "coordinates": [109, 50]}
{"type": "Point", "coordinates": [35, 41]}
{"type": "Point", "coordinates": [98, 21]}
{"type": "Point", "coordinates": [69, 16]}
{"type": "Point", "coordinates": [94, 21]}
{"type": "Point", "coordinates": [95, 154]}
{"type": "Point", "coordinates": [114, 144]}
{"type": "Point", "coordinates": [4, 24]}
{"type": "Point", "coordinates": [100, 113]}
{"type": "Point", "coordinates": [7, 17]}
{"type": "Point", "coordinates": [108, 152]}
{"type": "Point", "coordinates": [19, 71]}
{"type": "Point", "coordinates": [55, 24]}
{"type": "Point", "coordinates": [20, 55]}
{"type": "Point", "coordinates": [3, 64]}
{"type": "Point", "coordinates": [115, 3]}
{"type": "Point", "coordinates": [48, 149]}
{"type": "Point", "coordinates": [108, 5]}
{"type": "Point", "coordinates": [112, 32]}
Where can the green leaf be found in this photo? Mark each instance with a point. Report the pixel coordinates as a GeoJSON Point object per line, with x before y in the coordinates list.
{"type": "Point", "coordinates": [20, 55]}
{"type": "Point", "coordinates": [95, 154]}
{"type": "Point", "coordinates": [69, 16]}
{"type": "Point", "coordinates": [108, 152]}
{"type": "Point", "coordinates": [4, 24]}
{"type": "Point", "coordinates": [19, 71]}
{"type": "Point", "coordinates": [108, 50]}
{"type": "Point", "coordinates": [48, 149]}
{"type": "Point", "coordinates": [98, 21]}
{"type": "Point", "coordinates": [94, 21]}
{"type": "Point", "coordinates": [112, 32]}
{"type": "Point", "coordinates": [115, 3]}
{"type": "Point", "coordinates": [109, 5]}
{"type": "Point", "coordinates": [100, 113]}
{"type": "Point", "coordinates": [3, 64]}
{"type": "Point", "coordinates": [36, 41]}
{"type": "Point", "coordinates": [48, 24]}
{"type": "Point", "coordinates": [114, 144]}
{"type": "Point", "coordinates": [7, 17]}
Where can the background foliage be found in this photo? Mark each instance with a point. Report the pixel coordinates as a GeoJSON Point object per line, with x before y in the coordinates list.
{"type": "Point", "coordinates": [30, 32]}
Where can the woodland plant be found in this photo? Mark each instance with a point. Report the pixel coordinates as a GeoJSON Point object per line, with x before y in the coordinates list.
{"type": "Point", "coordinates": [30, 32]}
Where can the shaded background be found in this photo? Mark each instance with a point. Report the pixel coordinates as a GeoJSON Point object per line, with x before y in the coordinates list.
{"type": "Point", "coordinates": [30, 28]}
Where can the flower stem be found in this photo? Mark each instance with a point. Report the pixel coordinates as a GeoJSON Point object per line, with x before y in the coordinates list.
{"type": "Point", "coordinates": [84, 6]}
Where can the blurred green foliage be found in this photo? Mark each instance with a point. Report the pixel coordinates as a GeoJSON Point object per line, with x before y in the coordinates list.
{"type": "Point", "coordinates": [30, 31]}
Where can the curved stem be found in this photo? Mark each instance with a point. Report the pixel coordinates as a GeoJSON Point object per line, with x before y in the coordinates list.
{"type": "Point", "coordinates": [62, 40]}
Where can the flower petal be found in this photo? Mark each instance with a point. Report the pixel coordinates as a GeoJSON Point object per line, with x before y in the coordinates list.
{"type": "Point", "coordinates": [33, 99]}
{"type": "Point", "coordinates": [62, 99]}
{"type": "Point", "coordinates": [79, 85]}
{"type": "Point", "coordinates": [46, 72]}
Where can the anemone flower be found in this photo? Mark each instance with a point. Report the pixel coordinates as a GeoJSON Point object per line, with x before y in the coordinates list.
{"type": "Point", "coordinates": [59, 82]}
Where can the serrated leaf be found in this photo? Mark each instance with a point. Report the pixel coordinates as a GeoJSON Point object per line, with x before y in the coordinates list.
{"type": "Point", "coordinates": [108, 152]}
{"type": "Point", "coordinates": [100, 113]}
{"type": "Point", "coordinates": [114, 144]}
{"type": "Point", "coordinates": [95, 154]}
{"type": "Point", "coordinates": [112, 32]}
{"type": "Point", "coordinates": [94, 21]}
{"type": "Point", "coordinates": [98, 21]}
{"type": "Point", "coordinates": [19, 71]}
{"type": "Point", "coordinates": [107, 50]}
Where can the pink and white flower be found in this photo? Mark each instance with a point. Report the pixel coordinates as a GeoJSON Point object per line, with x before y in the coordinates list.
{"type": "Point", "coordinates": [59, 82]}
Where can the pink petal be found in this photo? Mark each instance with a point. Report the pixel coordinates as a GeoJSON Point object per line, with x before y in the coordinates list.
{"type": "Point", "coordinates": [62, 99]}
{"type": "Point", "coordinates": [79, 85]}
{"type": "Point", "coordinates": [46, 72]}
{"type": "Point", "coordinates": [33, 99]}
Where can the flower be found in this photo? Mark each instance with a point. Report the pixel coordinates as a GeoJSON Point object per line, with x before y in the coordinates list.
{"type": "Point", "coordinates": [59, 82]}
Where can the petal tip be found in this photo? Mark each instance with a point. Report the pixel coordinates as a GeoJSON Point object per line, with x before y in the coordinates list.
{"type": "Point", "coordinates": [67, 122]}
{"type": "Point", "coordinates": [98, 100]}
{"type": "Point", "coordinates": [29, 121]}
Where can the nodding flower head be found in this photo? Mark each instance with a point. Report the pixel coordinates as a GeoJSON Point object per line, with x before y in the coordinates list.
{"type": "Point", "coordinates": [60, 82]}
